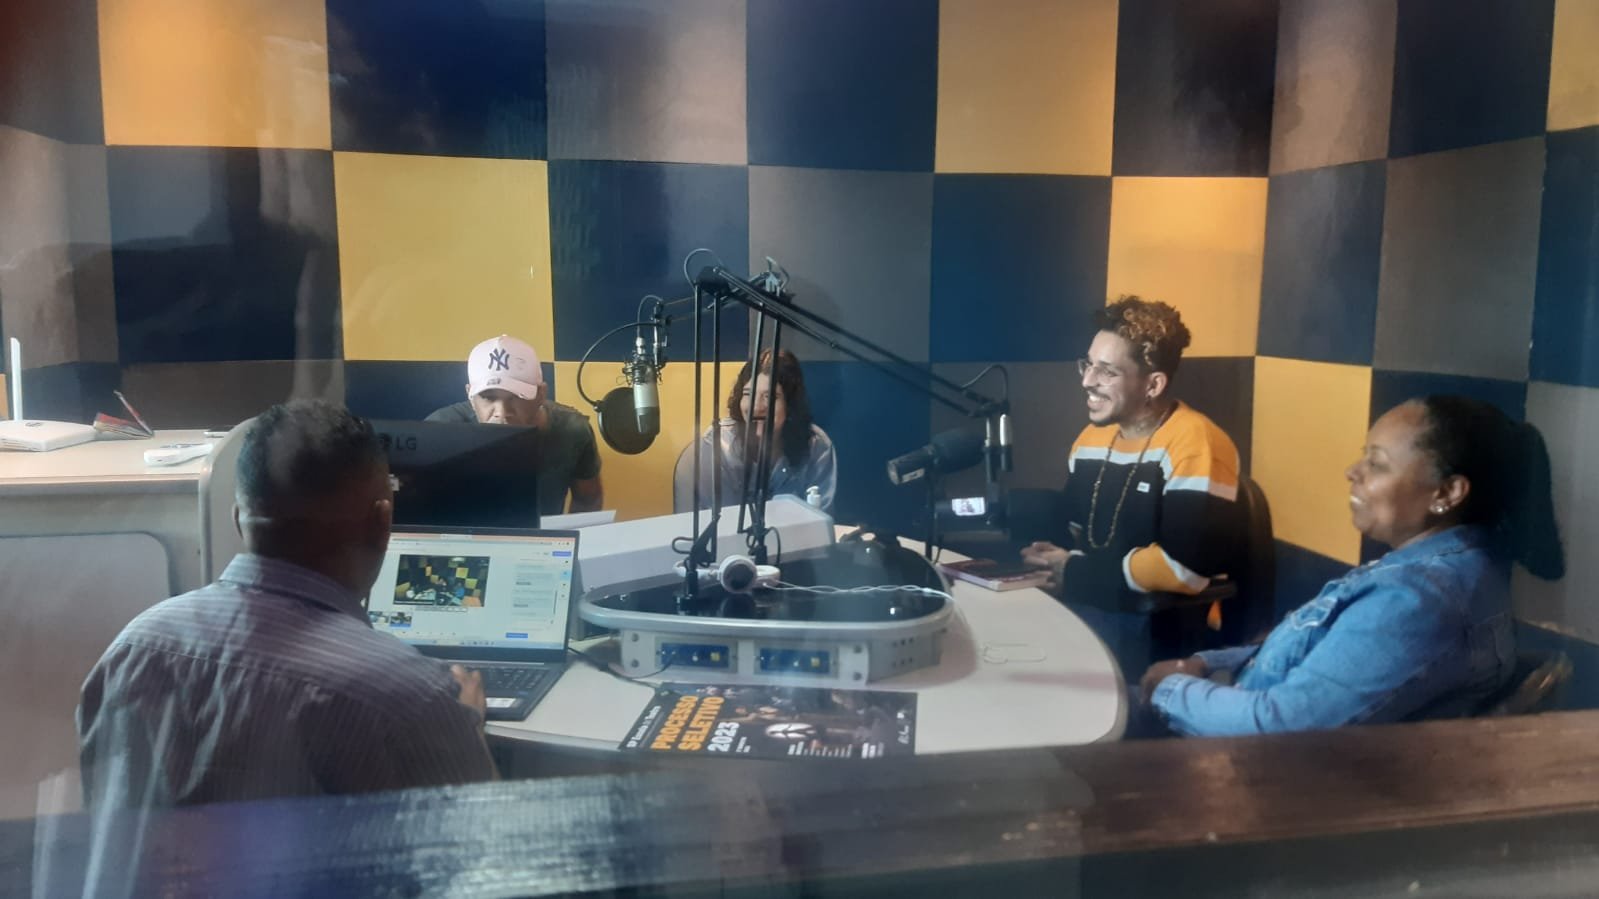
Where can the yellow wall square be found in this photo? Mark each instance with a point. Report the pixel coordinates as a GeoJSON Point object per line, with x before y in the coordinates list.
{"type": "Point", "coordinates": [5, 398]}
{"type": "Point", "coordinates": [641, 486]}
{"type": "Point", "coordinates": [1026, 86]}
{"type": "Point", "coordinates": [215, 73]}
{"type": "Point", "coordinates": [1310, 423]}
{"type": "Point", "coordinates": [1574, 66]}
{"type": "Point", "coordinates": [1198, 244]}
{"type": "Point", "coordinates": [439, 253]}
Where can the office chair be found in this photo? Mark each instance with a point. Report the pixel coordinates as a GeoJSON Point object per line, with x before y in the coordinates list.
{"type": "Point", "coordinates": [1244, 595]}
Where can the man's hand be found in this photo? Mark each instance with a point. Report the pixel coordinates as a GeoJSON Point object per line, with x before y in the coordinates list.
{"type": "Point", "coordinates": [1193, 665]}
{"type": "Point", "coordinates": [1043, 554]}
{"type": "Point", "coordinates": [471, 694]}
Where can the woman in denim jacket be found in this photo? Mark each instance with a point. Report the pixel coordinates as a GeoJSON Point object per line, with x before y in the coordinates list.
{"type": "Point", "coordinates": [1459, 492]}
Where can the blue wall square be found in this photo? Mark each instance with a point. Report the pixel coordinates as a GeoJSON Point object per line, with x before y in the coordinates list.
{"type": "Point", "coordinates": [620, 230]}
{"type": "Point", "coordinates": [1318, 295]}
{"type": "Point", "coordinates": [1469, 72]}
{"type": "Point", "coordinates": [224, 254]}
{"type": "Point", "coordinates": [410, 391]}
{"type": "Point", "coordinates": [50, 69]}
{"type": "Point", "coordinates": [843, 84]}
{"type": "Point", "coordinates": [1194, 87]}
{"type": "Point", "coordinates": [1565, 315]}
{"type": "Point", "coordinates": [871, 418]}
{"type": "Point", "coordinates": [438, 79]}
{"type": "Point", "coordinates": [1018, 266]}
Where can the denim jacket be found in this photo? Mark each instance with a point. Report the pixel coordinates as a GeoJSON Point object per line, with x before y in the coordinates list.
{"type": "Point", "coordinates": [1424, 631]}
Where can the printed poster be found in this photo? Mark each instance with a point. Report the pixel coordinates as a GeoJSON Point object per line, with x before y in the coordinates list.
{"type": "Point", "coordinates": [768, 721]}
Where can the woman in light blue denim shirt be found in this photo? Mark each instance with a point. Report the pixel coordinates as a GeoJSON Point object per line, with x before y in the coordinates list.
{"type": "Point", "coordinates": [1460, 492]}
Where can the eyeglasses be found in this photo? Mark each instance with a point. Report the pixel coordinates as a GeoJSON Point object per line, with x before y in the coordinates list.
{"type": "Point", "coordinates": [1103, 374]}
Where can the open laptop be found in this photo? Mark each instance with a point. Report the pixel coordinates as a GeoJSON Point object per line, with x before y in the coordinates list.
{"type": "Point", "coordinates": [494, 599]}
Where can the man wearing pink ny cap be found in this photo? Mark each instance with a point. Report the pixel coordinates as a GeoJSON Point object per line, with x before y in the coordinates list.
{"type": "Point", "coordinates": [505, 385]}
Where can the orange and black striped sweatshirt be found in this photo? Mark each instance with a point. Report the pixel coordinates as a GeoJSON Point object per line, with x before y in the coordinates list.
{"type": "Point", "coordinates": [1179, 523]}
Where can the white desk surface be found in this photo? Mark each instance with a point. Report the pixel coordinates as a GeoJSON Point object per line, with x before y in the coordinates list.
{"type": "Point", "coordinates": [101, 466]}
{"type": "Point", "coordinates": [1018, 670]}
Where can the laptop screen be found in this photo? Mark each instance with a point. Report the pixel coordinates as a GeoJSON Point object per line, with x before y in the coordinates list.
{"type": "Point", "coordinates": [478, 590]}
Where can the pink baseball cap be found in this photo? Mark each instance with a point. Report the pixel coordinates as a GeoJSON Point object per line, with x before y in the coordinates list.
{"type": "Point", "coordinates": [504, 363]}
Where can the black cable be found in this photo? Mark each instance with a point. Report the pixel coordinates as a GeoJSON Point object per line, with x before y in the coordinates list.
{"type": "Point", "coordinates": [695, 252]}
{"type": "Point", "coordinates": [605, 667]}
{"type": "Point", "coordinates": [594, 346]}
{"type": "Point", "coordinates": [1004, 374]}
{"type": "Point", "coordinates": [646, 298]}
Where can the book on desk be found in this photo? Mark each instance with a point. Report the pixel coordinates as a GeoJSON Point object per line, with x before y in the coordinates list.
{"type": "Point", "coordinates": [997, 576]}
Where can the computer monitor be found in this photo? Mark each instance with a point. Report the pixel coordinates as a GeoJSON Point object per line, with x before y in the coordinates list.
{"type": "Point", "coordinates": [462, 474]}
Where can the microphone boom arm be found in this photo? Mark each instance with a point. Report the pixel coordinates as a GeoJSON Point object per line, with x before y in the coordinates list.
{"type": "Point", "coordinates": [971, 403]}
{"type": "Point", "coordinates": [722, 284]}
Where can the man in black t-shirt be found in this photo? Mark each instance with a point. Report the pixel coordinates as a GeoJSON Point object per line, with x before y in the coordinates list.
{"type": "Point", "coordinates": [506, 386]}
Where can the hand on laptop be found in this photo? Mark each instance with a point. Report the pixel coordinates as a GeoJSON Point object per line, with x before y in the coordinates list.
{"type": "Point", "coordinates": [471, 694]}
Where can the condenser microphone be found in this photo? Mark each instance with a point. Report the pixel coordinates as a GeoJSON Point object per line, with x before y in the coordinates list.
{"type": "Point", "coordinates": [643, 374]}
{"type": "Point", "coordinates": [1006, 462]}
{"type": "Point", "coordinates": [630, 417]}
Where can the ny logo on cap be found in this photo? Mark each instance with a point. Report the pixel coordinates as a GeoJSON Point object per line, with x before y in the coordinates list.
{"type": "Point", "coordinates": [499, 360]}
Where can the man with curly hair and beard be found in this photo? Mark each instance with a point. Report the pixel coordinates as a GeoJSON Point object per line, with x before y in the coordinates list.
{"type": "Point", "coordinates": [1151, 498]}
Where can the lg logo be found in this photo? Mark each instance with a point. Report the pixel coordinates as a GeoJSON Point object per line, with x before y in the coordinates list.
{"type": "Point", "coordinates": [398, 443]}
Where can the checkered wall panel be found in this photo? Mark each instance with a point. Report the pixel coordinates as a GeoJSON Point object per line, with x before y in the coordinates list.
{"type": "Point", "coordinates": [219, 204]}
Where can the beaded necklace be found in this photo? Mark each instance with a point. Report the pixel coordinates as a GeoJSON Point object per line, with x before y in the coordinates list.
{"type": "Point", "coordinates": [1093, 500]}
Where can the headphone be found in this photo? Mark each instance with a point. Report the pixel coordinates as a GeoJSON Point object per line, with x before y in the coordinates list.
{"type": "Point", "coordinates": [738, 574]}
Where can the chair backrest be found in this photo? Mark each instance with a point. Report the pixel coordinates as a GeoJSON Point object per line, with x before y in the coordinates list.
{"type": "Point", "coordinates": [1534, 686]}
{"type": "Point", "coordinates": [1249, 614]}
{"type": "Point", "coordinates": [219, 539]}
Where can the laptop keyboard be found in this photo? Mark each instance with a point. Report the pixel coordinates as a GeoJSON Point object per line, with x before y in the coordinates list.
{"type": "Point", "coordinates": [512, 679]}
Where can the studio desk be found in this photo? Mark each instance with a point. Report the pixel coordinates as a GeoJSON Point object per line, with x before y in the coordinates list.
{"type": "Point", "coordinates": [90, 536]}
{"type": "Point", "coordinates": [1018, 670]}
{"type": "Point", "coordinates": [104, 487]}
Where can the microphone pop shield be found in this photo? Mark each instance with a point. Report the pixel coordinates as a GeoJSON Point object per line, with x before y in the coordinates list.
{"type": "Point", "coordinates": [619, 423]}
